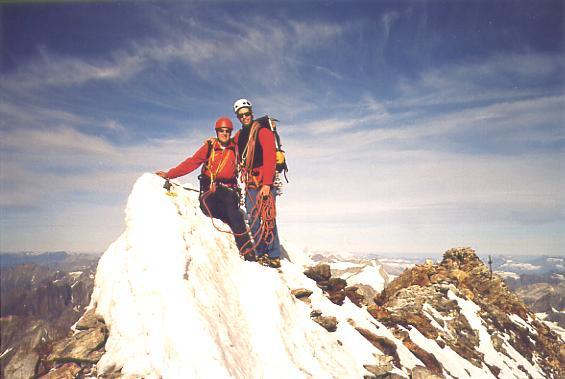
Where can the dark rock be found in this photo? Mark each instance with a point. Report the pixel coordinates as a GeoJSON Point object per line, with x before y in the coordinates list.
{"type": "Point", "coordinates": [320, 272]}
{"type": "Point", "coordinates": [301, 293]}
{"type": "Point", "coordinates": [337, 297]}
{"type": "Point", "coordinates": [420, 372]}
{"type": "Point", "coordinates": [336, 284]}
{"type": "Point", "coordinates": [315, 313]}
{"type": "Point", "coordinates": [432, 364]}
{"type": "Point", "coordinates": [388, 375]}
{"type": "Point", "coordinates": [327, 322]}
{"type": "Point", "coordinates": [495, 370]}
{"type": "Point", "coordinates": [385, 345]}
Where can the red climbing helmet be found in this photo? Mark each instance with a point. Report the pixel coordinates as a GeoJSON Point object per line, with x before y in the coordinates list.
{"type": "Point", "coordinates": [224, 122]}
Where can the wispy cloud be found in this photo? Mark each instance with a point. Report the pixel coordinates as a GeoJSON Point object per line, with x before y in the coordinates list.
{"type": "Point", "coordinates": [26, 114]}
{"type": "Point", "coordinates": [492, 79]}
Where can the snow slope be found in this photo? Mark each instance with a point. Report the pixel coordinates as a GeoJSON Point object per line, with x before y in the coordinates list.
{"type": "Point", "coordinates": [179, 302]}
{"type": "Point", "coordinates": [372, 275]}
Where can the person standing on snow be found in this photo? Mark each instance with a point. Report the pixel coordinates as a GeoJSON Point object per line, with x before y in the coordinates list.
{"type": "Point", "coordinates": [218, 183]}
{"type": "Point", "coordinates": [257, 158]}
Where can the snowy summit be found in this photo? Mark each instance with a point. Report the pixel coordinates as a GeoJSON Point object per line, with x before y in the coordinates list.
{"type": "Point", "coordinates": [179, 302]}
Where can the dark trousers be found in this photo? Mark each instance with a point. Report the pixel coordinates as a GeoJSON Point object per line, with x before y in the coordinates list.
{"type": "Point", "coordinates": [223, 204]}
{"type": "Point", "coordinates": [273, 249]}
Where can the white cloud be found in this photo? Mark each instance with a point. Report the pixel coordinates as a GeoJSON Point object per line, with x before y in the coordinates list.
{"type": "Point", "coordinates": [56, 70]}
{"type": "Point", "coordinates": [30, 114]}
{"type": "Point", "coordinates": [61, 140]}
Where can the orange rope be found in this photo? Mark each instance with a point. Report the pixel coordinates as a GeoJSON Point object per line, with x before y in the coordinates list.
{"type": "Point", "coordinates": [249, 153]}
{"type": "Point", "coordinates": [265, 210]}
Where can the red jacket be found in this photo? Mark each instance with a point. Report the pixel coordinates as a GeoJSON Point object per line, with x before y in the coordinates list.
{"type": "Point", "coordinates": [266, 172]}
{"type": "Point", "coordinates": [224, 157]}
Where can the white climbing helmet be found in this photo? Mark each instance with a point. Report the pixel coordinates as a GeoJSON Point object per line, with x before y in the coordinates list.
{"type": "Point", "coordinates": [241, 103]}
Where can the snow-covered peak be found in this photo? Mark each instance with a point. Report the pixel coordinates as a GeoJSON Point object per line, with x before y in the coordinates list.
{"type": "Point", "coordinates": [179, 302]}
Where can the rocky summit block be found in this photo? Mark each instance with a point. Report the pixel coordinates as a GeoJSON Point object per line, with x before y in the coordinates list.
{"type": "Point", "coordinates": [427, 297]}
{"type": "Point", "coordinates": [84, 346]}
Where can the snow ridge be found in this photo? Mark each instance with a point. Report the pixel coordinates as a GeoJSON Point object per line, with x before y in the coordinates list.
{"type": "Point", "coordinates": [179, 302]}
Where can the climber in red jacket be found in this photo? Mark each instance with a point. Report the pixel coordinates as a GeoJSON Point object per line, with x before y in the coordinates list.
{"type": "Point", "coordinates": [257, 157]}
{"type": "Point", "coordinates": [219, 196]}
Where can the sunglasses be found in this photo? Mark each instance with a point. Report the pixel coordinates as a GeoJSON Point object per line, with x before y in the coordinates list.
{"type": "Point", "coordinates": [223, 131]}
{"type": "Point", "coordinates": [242, 115]}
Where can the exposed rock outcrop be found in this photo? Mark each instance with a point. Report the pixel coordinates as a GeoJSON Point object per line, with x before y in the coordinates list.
{"type": "Point", "coordinates": [336, 289]}
{"type": "Point", "coordinates": [79, 351]}
{"type": "Point", "coordinates": [429, 298]}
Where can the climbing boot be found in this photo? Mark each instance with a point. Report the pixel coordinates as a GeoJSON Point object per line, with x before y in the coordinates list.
{"type": "Point", "coordinates": [275, 262]}
{"type": "Point", "coordinates": [249, 256]}
{"type": "Point", "coordinates": [263, 260]}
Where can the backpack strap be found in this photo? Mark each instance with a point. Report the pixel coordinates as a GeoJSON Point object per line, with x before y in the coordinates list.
{"type": "Point", "coordinates": [210, 143]}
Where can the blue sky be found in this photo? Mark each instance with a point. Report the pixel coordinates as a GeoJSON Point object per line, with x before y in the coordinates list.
{"type": "Point", "coordinates": [409, 126]}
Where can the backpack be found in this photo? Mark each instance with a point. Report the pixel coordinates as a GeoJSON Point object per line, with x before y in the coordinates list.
{"type": "Point", "coordinates": [269, 122]}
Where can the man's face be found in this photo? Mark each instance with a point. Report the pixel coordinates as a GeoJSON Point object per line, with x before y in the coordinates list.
{"type": "Point", "coordinates": [245, 116]}
{"type": "Point", "coordinates": [223, 134]}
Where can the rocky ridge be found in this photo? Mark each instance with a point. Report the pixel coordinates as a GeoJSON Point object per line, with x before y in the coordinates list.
{"type": "Point", "coordinates": [423, 298]}
{"type": "Point", "coordinates": [367, 275]}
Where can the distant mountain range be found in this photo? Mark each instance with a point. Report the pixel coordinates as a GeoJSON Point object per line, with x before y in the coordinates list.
{"type": "Point", "coordinates": [42, 296]}
{"type": "Point", "coordinates": [48, 258]}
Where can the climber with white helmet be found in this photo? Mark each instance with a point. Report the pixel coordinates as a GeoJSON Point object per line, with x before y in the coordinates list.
{"type": "Point", "coordinates": [256, 155]}
{"type": "Point", "coordinates": [219, 195]}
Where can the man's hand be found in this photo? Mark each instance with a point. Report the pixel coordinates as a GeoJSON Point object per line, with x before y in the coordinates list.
{"type": "Point", "coordinates": [264, 191]}
{"type": "Point", "coordinates": [162, 174]}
